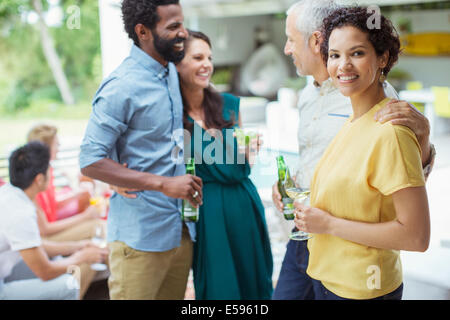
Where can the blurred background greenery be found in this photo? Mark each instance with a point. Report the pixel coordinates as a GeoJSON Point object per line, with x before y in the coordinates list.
{"type": "Point", "coordinates": [30, 32]}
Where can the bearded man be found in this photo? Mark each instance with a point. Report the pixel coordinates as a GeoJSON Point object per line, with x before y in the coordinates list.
{"type": "Point", "coordinates": [135, 113]}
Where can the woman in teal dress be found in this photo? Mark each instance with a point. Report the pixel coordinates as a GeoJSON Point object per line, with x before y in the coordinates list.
{"type": "Point", "coordinates": [232, 254]}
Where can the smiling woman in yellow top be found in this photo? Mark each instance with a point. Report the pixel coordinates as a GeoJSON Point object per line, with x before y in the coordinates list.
{"type": "Point", "coordinates": [368, 198]}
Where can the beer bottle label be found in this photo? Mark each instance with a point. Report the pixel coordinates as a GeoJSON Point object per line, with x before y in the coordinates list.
{"type": "Point", "coordinates": [288, 208]}
{"type": "Point", "coordinates": [189, 212]}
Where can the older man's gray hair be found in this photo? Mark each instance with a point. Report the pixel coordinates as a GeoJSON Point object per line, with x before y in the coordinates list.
{"type": "Point", "coordinates": [310, 14]}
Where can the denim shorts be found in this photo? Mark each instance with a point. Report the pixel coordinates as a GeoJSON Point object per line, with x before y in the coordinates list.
{"type": "Point", "coordinates": [293, 282]}
{"type": "Point", "coordinates": [322, 293]}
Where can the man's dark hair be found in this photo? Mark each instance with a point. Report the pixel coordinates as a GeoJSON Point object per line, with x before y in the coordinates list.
{"type": "Point", "coordinates": [141, 12]}
{"type": "Point", "coordinates": [27, 162]}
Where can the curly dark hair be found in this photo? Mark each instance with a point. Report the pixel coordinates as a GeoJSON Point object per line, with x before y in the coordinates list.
{"type": "Point", "coordinates": [212, 100]}
{"type": "Point", "coordinates": [141, 12]}
{"type": "Point", "coordinates": [383, 39]}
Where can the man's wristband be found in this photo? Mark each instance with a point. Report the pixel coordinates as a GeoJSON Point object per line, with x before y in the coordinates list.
{"type": "Point", "coordinates": [429, 166]}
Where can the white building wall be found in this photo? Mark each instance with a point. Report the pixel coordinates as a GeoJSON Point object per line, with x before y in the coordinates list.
{"type": "Point", "coordinates": [115, 43]}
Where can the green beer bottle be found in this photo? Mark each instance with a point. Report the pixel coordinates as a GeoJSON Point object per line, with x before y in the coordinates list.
{"type": "Point", "coordinates": [188, 212]}
{"type": "Point", "coordinates": [284, 182]}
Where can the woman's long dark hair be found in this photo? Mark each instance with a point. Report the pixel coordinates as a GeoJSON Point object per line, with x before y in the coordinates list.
{"type": "Point", "coordinates": [212, 101]}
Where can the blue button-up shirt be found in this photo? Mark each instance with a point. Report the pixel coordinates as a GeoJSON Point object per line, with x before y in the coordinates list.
{"type": "Point", "coordinates": [135, 113]}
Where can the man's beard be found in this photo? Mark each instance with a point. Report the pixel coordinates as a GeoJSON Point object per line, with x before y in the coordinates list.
{"type": "Point", "coordinates": [165, 48]}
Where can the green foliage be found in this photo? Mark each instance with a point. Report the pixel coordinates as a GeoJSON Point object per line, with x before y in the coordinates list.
{"type": "Point", "coordinates": [80, 49]}
{"type": "Point", "coordinates": [398, 78]}
{"type": "Point", "coordinates": [404, 25]}
{"type": "Point", "coordinates": [296, 83]}
{"type": "Point", "coordinates": [44, 108]}
{"type": "Point", "coordinates": [11, 7]}
{"type": "Point", "coordinates": [399, 74]}
{"type": "Point", "coordinates": [222, 75]}
{"type": "Point", "coordinates": [18, 97]}
{"type": "Point", "coordinates": [25, 77]}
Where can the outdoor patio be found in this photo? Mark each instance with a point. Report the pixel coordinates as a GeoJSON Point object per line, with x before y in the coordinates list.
{"type": "Point", "coordinates": [54, 55]}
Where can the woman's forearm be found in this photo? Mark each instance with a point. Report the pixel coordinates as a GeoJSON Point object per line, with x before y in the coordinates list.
{"type": "Point", "coordinates": [57, 226]}
{"type": "Point", "coordinates": [409, 231]}
{"type": "Point", "coordinates": [47, 228]}
{"type": "Point", "coordinates": [390, 235]}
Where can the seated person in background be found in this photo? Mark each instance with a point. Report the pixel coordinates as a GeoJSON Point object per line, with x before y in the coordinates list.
{"type": "Point", "coordinates": [20, 239]}
{"type": "Point", "coordinates": [72, 218]}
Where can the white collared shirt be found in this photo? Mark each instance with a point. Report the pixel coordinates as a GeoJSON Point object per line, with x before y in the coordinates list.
{"type": "Point", "coordinates": [322, 112]}
{"type": "Point", "coordinates": [18, 227]}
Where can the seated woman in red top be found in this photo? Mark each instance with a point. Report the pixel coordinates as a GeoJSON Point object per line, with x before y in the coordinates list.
{"type": "Point", "coordinates": [60, 214]}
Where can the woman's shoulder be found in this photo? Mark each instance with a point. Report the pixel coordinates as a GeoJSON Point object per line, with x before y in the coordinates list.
{"type": "Point", "coordinates": [229, 99]}
{"type": "Point", "coordinates": [230, 103]}
{"type": "Point", "coordinates": [388, 129]}
{"type": "Point", "coordinates": [404, 132]}
{"type": "Point", "coordinates": [396, 135]}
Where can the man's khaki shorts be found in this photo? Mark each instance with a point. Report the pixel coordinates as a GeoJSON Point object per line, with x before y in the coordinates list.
{"type": "Point", "coordinates": [142, 275]}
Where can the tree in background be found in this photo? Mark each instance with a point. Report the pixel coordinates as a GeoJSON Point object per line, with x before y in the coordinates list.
{"type": "Point", "coordinates": [52, 56]}
{"type": "Point", "coordinates": [36, 60]}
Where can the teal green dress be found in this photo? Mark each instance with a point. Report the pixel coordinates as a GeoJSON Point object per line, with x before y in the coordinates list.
{"type": "Point", "coordinates": [232, 254]}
